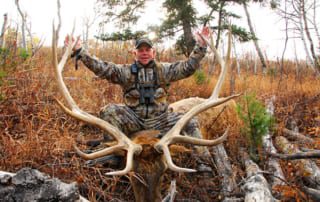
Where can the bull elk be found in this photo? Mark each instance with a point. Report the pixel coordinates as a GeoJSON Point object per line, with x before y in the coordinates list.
{"type": "Point", "coordinates": [146, 155]}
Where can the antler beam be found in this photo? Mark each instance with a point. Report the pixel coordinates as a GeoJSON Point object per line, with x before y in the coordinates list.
{"type": "Point", "coordinates": [124, 143]}
{"type": "Point", "coordinates": [174, 136]}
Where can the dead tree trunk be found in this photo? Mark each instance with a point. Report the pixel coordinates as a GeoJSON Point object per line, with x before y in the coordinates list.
{"type": "Point", "coordinates": [315, 24]}
{"type": "Point", "coordinates": [306, 29]}
{"type": "Point", "coordinates": [255, 40]}
{"type": "Point", "coordinates": [256, 187]}
{"type": "Point", "coordinates": [220, 5]}
{"type": "Point", "coordinates": [188, 36]}
{"type": "Point", "coordinates": [23, 25]}
{"type": "Point", "coordinates": [307, 168]}
{"type": "Point", "coordinates": [300, 28]}
{"type": "Point", "coordinates": [87, 24]}
{"type": "Point", "coordinates": [3, 30]}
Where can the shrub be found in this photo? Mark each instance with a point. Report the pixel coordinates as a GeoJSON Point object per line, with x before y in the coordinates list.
{"type": "Point", "coordinates": [24, 54]}
{"type": "Point", "coordinates": [256, 121]}
{"type": "Point", "coordinates": [200, 77]}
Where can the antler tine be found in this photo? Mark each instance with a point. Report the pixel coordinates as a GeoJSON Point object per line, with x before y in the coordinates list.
{"type": "Point", "coordinates": [170, 163]}
{"type": "Point", "coordinates": [174, 136]}
{"type": "Point", "coordinates": [124, 143]}
{"type": "Point", "coordinates": [223, 64]}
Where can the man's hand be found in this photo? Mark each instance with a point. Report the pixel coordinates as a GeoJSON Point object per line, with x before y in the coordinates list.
{"type": "Point", "coordinates": [205, 32]}
{"type": "Point", "coordinates": [77, 46]}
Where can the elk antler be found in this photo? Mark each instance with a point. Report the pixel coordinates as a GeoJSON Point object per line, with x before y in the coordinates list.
{"type": "Point", "coordinates": [173, 136]}
{"type": "Point", "coordinates": [124, 143]}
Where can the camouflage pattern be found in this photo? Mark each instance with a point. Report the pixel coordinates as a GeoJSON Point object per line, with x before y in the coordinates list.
{"type": "Point", "coordinates": [166, 73]}
{"type": "Point", "coordinates": [128, 122]}
{"type": "Point", "coordinates": [134, 116]}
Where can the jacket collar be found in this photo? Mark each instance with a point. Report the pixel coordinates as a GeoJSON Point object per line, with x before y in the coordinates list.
{"type": "Point", "coordinates": [151, 64]}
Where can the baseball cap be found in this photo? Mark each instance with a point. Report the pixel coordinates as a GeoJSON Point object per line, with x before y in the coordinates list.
{"type": "Point", "coordinates": [141, 41]}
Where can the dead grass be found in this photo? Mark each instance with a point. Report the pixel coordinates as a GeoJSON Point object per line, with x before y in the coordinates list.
{"type": "Point", "coordinates": [36, 133]}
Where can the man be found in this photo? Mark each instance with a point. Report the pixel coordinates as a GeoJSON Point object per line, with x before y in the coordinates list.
{"type": "Point", "coordinates": [144, 84]}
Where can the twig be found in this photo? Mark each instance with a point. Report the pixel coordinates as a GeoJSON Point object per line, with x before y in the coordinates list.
{"type": "Point", "coordinates": [172, 192]}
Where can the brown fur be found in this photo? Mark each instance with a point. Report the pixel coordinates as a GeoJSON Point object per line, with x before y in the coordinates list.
{"type": "Point", "coordinates": [211, 121]}
{"type": "Point", "coordinates": [149, 167]}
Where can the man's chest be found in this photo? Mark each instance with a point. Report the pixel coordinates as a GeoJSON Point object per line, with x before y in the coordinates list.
{"type": "Point", "coordinates": [146, 75]}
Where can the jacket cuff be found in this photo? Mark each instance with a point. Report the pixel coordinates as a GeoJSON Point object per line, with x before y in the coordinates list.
{"type": "Point", "coordinates": [77, 53]}
{"type": "Point", "coordinates": [199, 52]}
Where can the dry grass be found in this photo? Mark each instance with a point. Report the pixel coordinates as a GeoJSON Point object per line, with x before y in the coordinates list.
{"type": "Point", "coordinates": [36, 133]}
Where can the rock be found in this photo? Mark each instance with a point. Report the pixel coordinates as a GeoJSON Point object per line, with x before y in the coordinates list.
{"type": "Point", "coordinates": [32, 185]}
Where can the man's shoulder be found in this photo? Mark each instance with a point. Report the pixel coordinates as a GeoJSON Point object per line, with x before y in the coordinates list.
{"type": "Point", "coordinates": [162, 64]}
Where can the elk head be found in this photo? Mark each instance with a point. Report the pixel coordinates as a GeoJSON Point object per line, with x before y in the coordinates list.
{"type": "Point", "coordinates": [148, 158]}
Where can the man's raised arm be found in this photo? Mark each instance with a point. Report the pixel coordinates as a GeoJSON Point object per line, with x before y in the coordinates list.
{"type": "Point", "coordinates": [107, 70]}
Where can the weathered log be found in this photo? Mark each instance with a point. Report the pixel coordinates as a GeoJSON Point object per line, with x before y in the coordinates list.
{"type": "Point", "coordinates": [292, 135]}
{"type": "Point", "coordinates": [206, 120]}
{"type": "Point", "coordinates": [225, 171]}
{"type": "Point", "coordinates": [291, 124]}
{"type": "Point", "coordinates": [308, 169]}
{"type": "Point", "coordinates": [272, 164]}
{"type": "Point", "coordinates": [31, 185]}
{"type": "Point", "coordinates": [256, 187]}
{"type": "Point", "coordinates": [295, 156]}
{"type": "Point", "coordinates": [314, 194]}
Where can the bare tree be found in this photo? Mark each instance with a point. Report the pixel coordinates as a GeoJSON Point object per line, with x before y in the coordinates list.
{"type": "Point", "coordinates": [297, 20]}
{"type": "Point", "coordinates": [307, 31]}
{"type": "Point", "coordinates": [87, 24]}
{"type": "Point", "coordinates": [302, 35]}
{"type": "Point", "coordinates": [3, 30]}
{"type": "Point", "coordinates": [255, 40]}
{"type": "Point", "coordinates": [34, 47]}
{"type": "Point", "coordinates": [314, 20]}
{"type": "Point", "coordinates": [286, 22]}
{"type": "Point", "coordinates": [23, 25]}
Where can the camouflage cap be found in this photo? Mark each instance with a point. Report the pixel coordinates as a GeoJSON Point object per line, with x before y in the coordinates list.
{"type": "Point", "coordinates": [141, 41]}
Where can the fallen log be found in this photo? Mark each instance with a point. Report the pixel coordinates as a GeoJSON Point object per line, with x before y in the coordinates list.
{"type": "Point", "coordinates": [256, 187]}
{"type": "Point", "coordinates": [292, 135]}
{"type": "Point", "coordinates": [295, 156]}
{"type": "Point", "coordinates": [314, 194]}
{"type": "Point", "coordinates": [272, 164]}
{"type": "Point", "coordinates": [225, 171]}
{"type": "Point", "coordinates": [31, 185]}
{"type": "Point", "coordinates": [308, 169]}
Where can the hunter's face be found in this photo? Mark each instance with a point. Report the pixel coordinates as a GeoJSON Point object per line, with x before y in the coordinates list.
{"type": "Point", "coordinates": [144, 54]}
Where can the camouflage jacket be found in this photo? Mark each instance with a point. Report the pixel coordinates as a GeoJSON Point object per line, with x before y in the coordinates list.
{"type": "Point", "coordinates": [159, 74]}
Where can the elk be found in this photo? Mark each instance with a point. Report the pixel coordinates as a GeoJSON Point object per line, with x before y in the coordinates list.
{"type": "Point", "coordinates": [147, 156]}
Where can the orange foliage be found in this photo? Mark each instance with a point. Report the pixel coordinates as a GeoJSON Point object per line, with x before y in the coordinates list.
{"type": "Point", "coordinates": [36, 133]}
